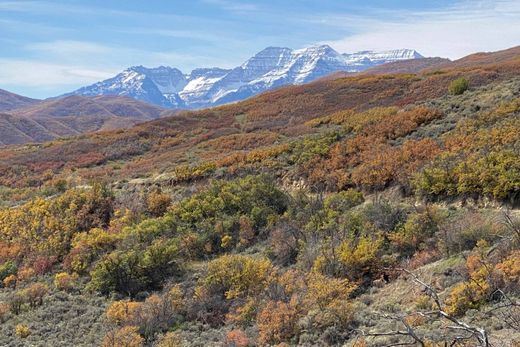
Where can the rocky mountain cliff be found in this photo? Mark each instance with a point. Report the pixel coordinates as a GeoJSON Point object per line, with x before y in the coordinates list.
{"type": "Point", "coordinates": [271, 68]}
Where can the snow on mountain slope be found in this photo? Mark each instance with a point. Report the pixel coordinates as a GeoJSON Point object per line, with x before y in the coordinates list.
{"type": "Point", "coordinates": [270, 68]}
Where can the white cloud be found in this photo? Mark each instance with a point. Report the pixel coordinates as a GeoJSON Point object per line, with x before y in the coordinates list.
{"type": "Point", "coordinates": [33, 73]}
{"type": "Point", "coordinates": [65, 47]}
{"type": "Point", "coordinates": [234, 6]}
{"type": "Point", "coordinates": [82, 63]}
{"type": "Point", "coordinates": [468, 27]}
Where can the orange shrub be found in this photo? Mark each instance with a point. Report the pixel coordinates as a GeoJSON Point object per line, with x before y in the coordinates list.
{"type": "Point", "coordinates": [4, 311]}
{"type": "Point", "coordinates": [510, 269]}
{"type": "Point", "coordinates": [10, 281]}
{"type": "Point", "coordinates": [9, 251]}
{"type": "Point", "coordinates": [25, 273]}
{"type": "Point", "coordinates": [237, 338]}
{"type": "Point", "coordinates": [35, 293]}
{"type": "Point", "coordinates": [277, 322]}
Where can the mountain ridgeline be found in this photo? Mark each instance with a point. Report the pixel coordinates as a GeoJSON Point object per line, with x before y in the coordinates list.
{"type": "Point", "coordinates": [271, 68]}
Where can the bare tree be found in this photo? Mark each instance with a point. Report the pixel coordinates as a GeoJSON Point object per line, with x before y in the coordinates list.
{"type": "Point", "coordinates": [462, 331]}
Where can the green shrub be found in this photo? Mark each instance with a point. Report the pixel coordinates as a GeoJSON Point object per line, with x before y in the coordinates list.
{"type": "Point", "coordinates": [458, 86]}
{"type": "Point", "coordinates": [6, 269]}
{"type": "Point", "coordinates": [120, 272]}
{"type": "Point", "coordinates": [217, 212]}
{"type": "Point", "coordinates": [345, 200]}
{"type": "Point", "coordinates": [134, 271]}
{"type": "Point", "coordinates": [159, 262]}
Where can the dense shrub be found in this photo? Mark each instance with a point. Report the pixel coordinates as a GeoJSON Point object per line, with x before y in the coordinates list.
{"type": "Point", "coordinates": [127, 336]}
{"type": "Point", "coordinates": [45, 227]}
{"type": "Point", "coordinates": [123, 311]}
{"type": "Point", "coordinates": [277, 323]}
{"type": "Point", "coordinates": [22, 331]}
{"type": "Point", "coordinates": [87, 247]}
{"type": "Point", "coordinates": [216, 213]}
{"type": "Point", "coordinates": [234, 276]}
{"type": "Point", "coordinates": [157, 203]}
{"type": "Point", "coordinates": [133, 271]}
{"type": "Point", "coordinates": [120, 272]}
{"type": "Point", "coordinates": [7, 269]}
{"type": "Point", "coordinates": [458, 86]}
{"type": "Point", "coordinates": [361, 258]}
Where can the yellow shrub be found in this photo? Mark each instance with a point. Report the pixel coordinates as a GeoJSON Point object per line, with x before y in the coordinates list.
{"type": "Point", "coordinates": [127, 336]}
{"type": "Point", "coordinates": [64, 281]}
{"type": "Point", "coordinates": [360, 258]}
{"type": "Point", "coordinates": [324, 292]}
{"type": "Point", "coordinates": [22, 331]}
{"type": "Point", "coordinates": [327, 301]}
{"type": "Point", "coordinates": [176, 297]}
{"type": "Point", "coordinates": [10, 281]}
{"type": "Point", "coordinates": [245, 313]}
{"type": "Point", "coordinates": [170, 340]}
{"type": "Point", "coordinates": [236, 276]}
{"type": "Point", "coordinates": [123, 311]}
{"type": "Point", "coordinates": [465, 296]}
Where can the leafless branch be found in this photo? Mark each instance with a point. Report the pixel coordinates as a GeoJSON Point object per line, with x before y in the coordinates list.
{"type": "Point", "coordinates": [479, 333]}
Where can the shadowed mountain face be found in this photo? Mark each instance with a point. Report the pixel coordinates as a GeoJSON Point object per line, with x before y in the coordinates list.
{"type": "Point", "coordinates": [75, 115]}
{"type": "Point", "coordinates": [10, 101]}
{"type": "Point", "coordinates": [271, 68]}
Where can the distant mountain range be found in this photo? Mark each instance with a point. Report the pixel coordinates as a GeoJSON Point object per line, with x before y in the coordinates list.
{"type": "Point", "coordinates": [271, 68]}
{"type": "Point", "coordinates": [25, 120]}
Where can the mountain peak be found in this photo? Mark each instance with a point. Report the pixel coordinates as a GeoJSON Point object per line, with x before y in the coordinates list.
{"type": "Point", "coordinates": [319, 49]}
{"type": "Point", "coordinates": [270, 68]}
{"type": "Point", "coordinates": [273, 50]}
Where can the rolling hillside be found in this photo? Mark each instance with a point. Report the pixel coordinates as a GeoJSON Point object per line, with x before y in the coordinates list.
{"type": "Point", "coordinates": [49, 119]}
{"type": "Point", "coordinates": [10, 101]}
{"type": "Point", "coordinates": [282, 112]}
{"type": "Point", "coordinates": [365, 210]}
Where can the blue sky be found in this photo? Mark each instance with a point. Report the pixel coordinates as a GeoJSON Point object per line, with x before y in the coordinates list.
{"type": "Point", "coordinates": [53, 46]}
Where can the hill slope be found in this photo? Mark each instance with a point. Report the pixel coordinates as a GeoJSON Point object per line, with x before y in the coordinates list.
{"type": "Point", "coordinates": [283, 111]}
{"type": "Point", "coordinates": [10, 101]}
{"type": "Point", "coordinates": [370, 210]}
{"type": "Point", "coordinates": [49, 119]}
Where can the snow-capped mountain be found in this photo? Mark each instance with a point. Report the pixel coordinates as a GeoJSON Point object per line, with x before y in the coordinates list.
{"type": "Point", "coordinates": [271, 68]}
